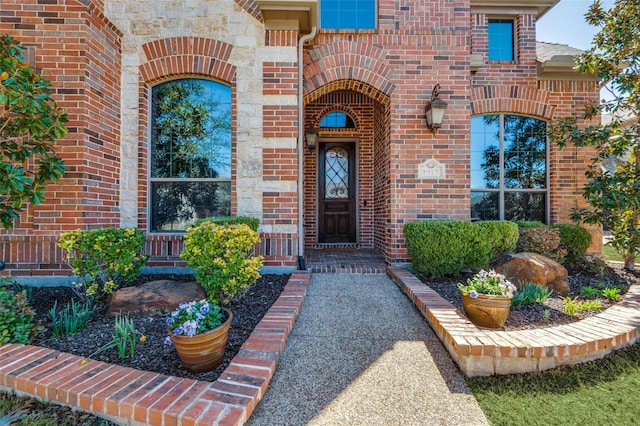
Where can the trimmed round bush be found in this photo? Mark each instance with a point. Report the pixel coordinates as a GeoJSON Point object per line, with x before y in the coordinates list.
{"type": "Point", "coordinates": [251, 222]}
{"type": "Point", "coordinates": [441, 248]}
{"type": "Point", "coordinates": [575, 239]}
{"type": "Point", "coordinates": [222, 256]}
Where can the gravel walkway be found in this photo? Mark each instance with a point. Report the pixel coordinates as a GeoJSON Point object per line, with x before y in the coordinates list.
{"type": "Point", "coordinates": [360, 354]}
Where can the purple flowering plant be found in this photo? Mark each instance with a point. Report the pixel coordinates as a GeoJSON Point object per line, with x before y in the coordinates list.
{"type": "Point", "coordinates": [194, 318]}
{"type": "Point", "coordinates": [488, 282]}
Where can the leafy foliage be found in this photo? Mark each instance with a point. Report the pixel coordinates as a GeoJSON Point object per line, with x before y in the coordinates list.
{"type": "Point", "coordinates": [222, 258]}
{"type": "Point", "coordinates": [71, 319]}
{"type": "Point", "coordinates": [575, 240]}
{"type": "Point", "coordinates": [541, 239]}
{"type": "Point", "coordinates": [613, 190]}
{"type": "Point", "coordinates": [611, 293]}
{"type": "Point", "coordinates": [30, 121]}
{"type": "Point", "coordinates": [440, 248]}
{"type": "Point", "coordinates": [529, 294]}
{"type": "Point", "coordinates": [191, 318]}
{"type": "Point", "coordinates": [104, 255]}
{"type": "Point", "coordinates": [16, 315]}
{"type": "Point", "coordinates": [251, 222]}
{"type": "Point", "coordinates": [487, 282]}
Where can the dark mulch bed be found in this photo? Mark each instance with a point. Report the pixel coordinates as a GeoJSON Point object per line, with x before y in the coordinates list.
{"type": "Point", "coordinates": [532, 316]}
{"type": "Point", "coordinates": [153, 354]}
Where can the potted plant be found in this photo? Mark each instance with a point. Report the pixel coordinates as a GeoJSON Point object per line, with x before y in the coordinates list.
{"type": "Point", "coordinates": [222, 256]}
{"type": "Point", "coordinates": [486, 299]}
{"type": "Point", "coordinates": [199, 331]}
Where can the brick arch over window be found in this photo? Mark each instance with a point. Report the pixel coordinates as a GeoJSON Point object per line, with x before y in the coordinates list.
{"type": "Point", "coordinates": [336, 108]}
{"type": "Point", "coordinates": [511, 99]}
{"type": "Point", "coordinates": [345, 66]}
{"type": "Point", "coordinates": [187, 56]}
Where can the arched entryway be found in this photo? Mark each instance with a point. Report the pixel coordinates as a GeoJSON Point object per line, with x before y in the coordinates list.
{"type": "Point", "coordinates": [346, 185]}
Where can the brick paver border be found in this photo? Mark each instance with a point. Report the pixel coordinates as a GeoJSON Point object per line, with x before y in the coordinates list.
{"type": "Point", "coordinates": [481, 352]}
{"type": "Point", "coordinates": [135, 397]}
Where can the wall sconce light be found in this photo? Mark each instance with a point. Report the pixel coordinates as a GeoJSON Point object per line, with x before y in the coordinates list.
{"type": "Point", "coordinates": [311, 136]}
{"type": "Point", "coordinates": [434, 111]}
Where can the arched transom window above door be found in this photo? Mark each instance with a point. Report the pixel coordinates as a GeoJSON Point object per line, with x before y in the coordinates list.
{"type": "Point", "coordinates": [337, 120]}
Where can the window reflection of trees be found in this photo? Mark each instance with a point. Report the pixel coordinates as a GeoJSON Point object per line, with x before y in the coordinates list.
{"type": "Point", "coordinates": [190, 153]}
{"type": "Point", "coordinates": [522, 170]}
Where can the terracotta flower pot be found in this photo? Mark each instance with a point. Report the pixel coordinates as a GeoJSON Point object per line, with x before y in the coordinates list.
{"type": "Point", "coordinates": [204, 351]}
{"type": "Point", "coordinates": [487, 311]}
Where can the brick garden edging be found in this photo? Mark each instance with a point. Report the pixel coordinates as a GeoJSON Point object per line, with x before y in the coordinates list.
{"type": "Point", "coordinates": [481, 352]}
{"type": "Point", "coordinates": [135, 397]}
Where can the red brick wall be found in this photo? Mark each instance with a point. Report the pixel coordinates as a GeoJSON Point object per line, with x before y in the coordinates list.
{"type": "Point", "coordinates": [361, 110]}
{"type": "Point", "coordinates": [78, 50]}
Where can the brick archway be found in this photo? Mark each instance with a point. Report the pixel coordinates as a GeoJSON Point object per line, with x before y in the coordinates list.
{"type": "Point", "coordinates": [348, 66]}
{"type": "Point", "coordinates": [512, 99]}
{"type": "Point", "coordinates": [187, 56]}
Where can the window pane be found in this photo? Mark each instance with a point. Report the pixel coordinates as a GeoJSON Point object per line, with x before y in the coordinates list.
{"type": "Point", "coordinates": [484, 205]}
{"type": "Point", "coordinates": [337, 120]}
{"type": "Point", "coordinates": [485, 151]}
{"type": "Point", "coordinates": [525, 206]}
{"type": "Point", "coordinates": [525, 152]}
{"type": "Point", "coordinates": [351, 14]}
{"type": "Point", "coordinates": [336, 174]}
{"type": "Point", "coordinates": [177, 205]}
{"type": "Point", "coordinates": [191, 130]}
{"type": "Point", "coordinates": [501, 40]}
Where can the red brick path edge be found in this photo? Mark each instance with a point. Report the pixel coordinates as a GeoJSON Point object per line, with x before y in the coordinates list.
{"type": "Point", "coordinates": [481, 352]}
{"type": "Point", "coordinates": [135, 397]}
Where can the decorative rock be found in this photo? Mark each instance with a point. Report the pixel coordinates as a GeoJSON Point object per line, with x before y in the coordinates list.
{"type": "Point", "coordinates": [154, 296]}
{"type": "Point", "coordinates": [526, 267]}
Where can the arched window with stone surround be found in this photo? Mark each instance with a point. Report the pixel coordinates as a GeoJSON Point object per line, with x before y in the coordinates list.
{"type": "Point", "coordinates": [190, 155]}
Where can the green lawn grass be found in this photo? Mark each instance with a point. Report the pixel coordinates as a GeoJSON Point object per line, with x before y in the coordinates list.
{"type": "Point", "coordinates": [611, 254]}
{"type": "Point", "coordinates": [604, 392]}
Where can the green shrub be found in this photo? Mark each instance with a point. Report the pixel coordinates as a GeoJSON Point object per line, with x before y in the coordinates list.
{"type": "Point", "coordinates": [538, 238]}
{"type": "Point", "coordinates": [500, 236]}
{"type": "Point", "coordinates": [530, 294]}
{"type": "Point", "coordinates": [16, 315]}
{"type": "Point", "coordinates": [439, 248]}
{"type": "Point", "coordinates": [528, 223]}
{"type": "Point", "coordinates": [251, 222]}
{"type": "Point", "coordinates": [71, 319]}
{"type": "Point", "coordinates": [222, 258]}
{"type": "Point", "coordinates": [590, 305]}
{"type": "Point", "coordinates": [589, 291]}
{"type": "Point", "coordinates": [101, 256]}
{"type": "Point", "coordinates": [574, 239]}
{"type": "Point", "coordinates": [611, 293]}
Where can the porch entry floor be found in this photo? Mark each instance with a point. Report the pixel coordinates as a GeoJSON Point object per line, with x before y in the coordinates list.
{"type": "Point", "coordinates": [343, 260]}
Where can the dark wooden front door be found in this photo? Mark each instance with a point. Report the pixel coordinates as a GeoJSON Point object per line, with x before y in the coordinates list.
{"type": "Point", "coordinates": [336, 193]}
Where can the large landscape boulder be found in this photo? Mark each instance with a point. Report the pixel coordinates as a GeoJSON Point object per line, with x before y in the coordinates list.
{"type": "Point", "coordinates": [154, 296]}
{"type": "Point", "coordinates": [521, 268]}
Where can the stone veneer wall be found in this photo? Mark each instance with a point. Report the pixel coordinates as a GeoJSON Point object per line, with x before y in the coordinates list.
{"type": "Point", "coordinates": [116, 50]}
